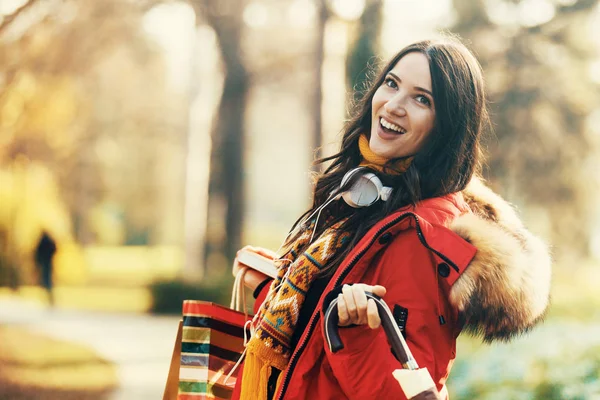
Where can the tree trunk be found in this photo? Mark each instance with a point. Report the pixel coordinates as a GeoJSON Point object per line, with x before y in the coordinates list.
{"type": "Point", "coordinates": [554, 179]}
{"type": "Point", "coordinates": [197, 175]}
{"type": "Point", "coordinates": [364, 49]}
{"type": "Point", "coordinates": [226, 160]}
{"type": "Point", "coordinates": [317, 96]}
{"type": "Point", "coordinates": [230, 133]}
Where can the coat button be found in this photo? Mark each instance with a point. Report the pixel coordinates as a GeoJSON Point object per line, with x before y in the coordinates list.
{"type": "Point", "coordinates": [385, 238]}
{"type": "Point", "coordinates": [444, 270]}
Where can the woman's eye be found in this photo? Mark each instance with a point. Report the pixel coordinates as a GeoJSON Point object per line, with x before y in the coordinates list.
{"type": "Point", "coordinates": [423, 100]}
{"type": "Point", "coordinates": [390, 82]}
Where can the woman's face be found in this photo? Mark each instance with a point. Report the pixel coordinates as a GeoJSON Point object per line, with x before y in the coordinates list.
{"type": "Point", "coordinates": [403, 111]}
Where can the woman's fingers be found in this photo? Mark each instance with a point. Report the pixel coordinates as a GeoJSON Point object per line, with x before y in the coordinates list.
{"type": "Point", "coordinates": [350, 303]}
{"type": "Point", "coordinates": [360, 299]}
{"type": "Point", "coordinates": [378, 290]}
{"type": "Point", "coordinates": [254, 278]}
{"type": "Point", "coordinates": [354, 307]}
{"type": "Point", "coordinates": [258, 250]}
{"type": "Point", "coordinates": [373, 315]}
{"type": "Point", "coordinates": [265, 252]}
{"type": "Point", "coordinates": [236, 265]}
{"type": "Point", "coordinates": [343, 317]}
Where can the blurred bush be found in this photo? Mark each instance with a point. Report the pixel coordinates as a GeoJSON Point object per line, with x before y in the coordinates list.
{"type": "Point", "coordinates": [9, 274]}
{"type": "Point", "coordinates": [168, 296]}
{"type": "Point", "coordinates": [560, 360]}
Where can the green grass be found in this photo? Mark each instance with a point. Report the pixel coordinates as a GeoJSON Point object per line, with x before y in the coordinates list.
{"type": "Point", "coordinates": [575, 294]}
{"type": "Point", "coordinates": [560, 359]}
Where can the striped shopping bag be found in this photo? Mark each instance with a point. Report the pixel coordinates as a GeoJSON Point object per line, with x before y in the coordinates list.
{"type": "Point", "coordinates": [212, 342]}
{"type": "Point", "coordinates": [208, 347]}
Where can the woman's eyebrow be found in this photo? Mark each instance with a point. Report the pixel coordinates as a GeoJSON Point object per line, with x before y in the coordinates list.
{"type": "Point", "coordinates": [416, 87]}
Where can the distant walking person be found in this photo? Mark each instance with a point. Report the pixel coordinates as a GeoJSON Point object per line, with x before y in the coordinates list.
{"type": "Point", "coordinates": [44, 253]}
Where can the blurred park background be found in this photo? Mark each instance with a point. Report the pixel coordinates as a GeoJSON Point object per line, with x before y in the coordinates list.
{"type": "Point", "coordinates": [151, 139]}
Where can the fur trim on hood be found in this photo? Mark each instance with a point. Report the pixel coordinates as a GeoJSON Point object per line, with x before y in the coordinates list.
{"type": "Point", "coordinates": [505, 289]}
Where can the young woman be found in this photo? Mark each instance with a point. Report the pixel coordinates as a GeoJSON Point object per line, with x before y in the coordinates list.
{"type": "Point", "coordinates": [444, 251]}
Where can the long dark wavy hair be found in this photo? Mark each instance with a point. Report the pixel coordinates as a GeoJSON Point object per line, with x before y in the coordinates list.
{"type": "Point", "coordinates": [446, 162]}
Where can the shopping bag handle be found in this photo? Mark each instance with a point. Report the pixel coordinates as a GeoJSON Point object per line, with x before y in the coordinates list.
{"type": "Point", "coordinates": [392, 331]}
{"type": "Point", "coordinates": [238, 293]}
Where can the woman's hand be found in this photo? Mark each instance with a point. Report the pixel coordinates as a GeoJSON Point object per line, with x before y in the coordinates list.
{"type": "Point", "coordinates": [252, 278]}
{"type": "Point", "coordinates": [353, 307]}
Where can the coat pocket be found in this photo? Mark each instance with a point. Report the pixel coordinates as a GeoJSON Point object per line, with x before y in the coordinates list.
{"type": "Point", "coordinates": [401, 317]}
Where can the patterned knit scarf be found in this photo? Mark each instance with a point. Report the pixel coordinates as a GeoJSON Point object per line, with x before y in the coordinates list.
{"type": "Point", "coordinates": [277, 318]}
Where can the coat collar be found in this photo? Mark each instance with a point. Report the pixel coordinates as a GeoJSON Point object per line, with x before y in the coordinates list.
{"type": "Point", "coordinates": [501, 282]}
{"type": "Point", "coordinates": [505, 288]}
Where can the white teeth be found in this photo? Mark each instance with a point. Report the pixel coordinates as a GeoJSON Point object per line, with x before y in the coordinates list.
{"type": "Point", "coordinates": [391, 126]}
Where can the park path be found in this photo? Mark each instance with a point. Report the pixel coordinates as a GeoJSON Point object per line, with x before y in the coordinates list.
{"type": "Point", "coordinates": [139, 345]}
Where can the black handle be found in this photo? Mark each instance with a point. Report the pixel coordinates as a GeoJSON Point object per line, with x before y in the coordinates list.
{"type": "Point", "coordinates": [392, 331]}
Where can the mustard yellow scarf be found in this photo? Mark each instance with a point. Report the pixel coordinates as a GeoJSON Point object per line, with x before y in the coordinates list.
{"type": "Point", "coordinates": [270, 346]}
{"type": "Point", "coordinates": [378, 162]}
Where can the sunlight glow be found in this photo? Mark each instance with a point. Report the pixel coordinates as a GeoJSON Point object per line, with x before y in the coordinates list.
{"type": "Point", "coordinates": [336, 38]}
{"type": "Point", "coordinates": [9, 6]}
{"type": "Point", "coordinates": [172, 26]}
{"type": "Point", "coordinates": [592, 124]}
{"type": "Point", "coordinates": [595, 26]}
{"type": "Point", "coordinates": [594, 70]}
{"type": "Point", "coordinates": [408, 21]}
{"type": "Point", "coordinates": [526, 13]}
{"type": "Point", "coordinates": [501, 12]}
{"type": "Point", "coordinates": [301, 13]}
{"type": "Point", "coordinates": [350, 10]}
{"type": "Point", "coordinates": [565, 2]}
{"type": "Point", "coordinates": [416, 12]}
{"type": "Point", "coordinates": [535, 12]}
{"type": "Point", "coordinates": [256, 15]}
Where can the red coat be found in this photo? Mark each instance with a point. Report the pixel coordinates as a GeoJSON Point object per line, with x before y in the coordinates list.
{"type": "Point", "coordinates": [415, 255]}
{"type": "Point", "coordinates": [391, 255]}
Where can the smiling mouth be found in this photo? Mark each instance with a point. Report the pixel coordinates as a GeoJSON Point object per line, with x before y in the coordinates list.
{"type": "Point", "coordinates": [389, 127]}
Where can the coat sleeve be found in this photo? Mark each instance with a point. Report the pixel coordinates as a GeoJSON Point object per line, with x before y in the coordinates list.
{"type": "Point", "coordinates": [364, 366]}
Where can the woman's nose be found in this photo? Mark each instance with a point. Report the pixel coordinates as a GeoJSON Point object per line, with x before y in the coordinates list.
{"type": "Point", "coordinates": [396, 105]}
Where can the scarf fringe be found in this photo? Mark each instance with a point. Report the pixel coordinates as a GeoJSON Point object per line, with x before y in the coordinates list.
{"type": "Point", "coordinates": [255, 378]}
{"type": "Point", "coordinates": [279, 380]}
